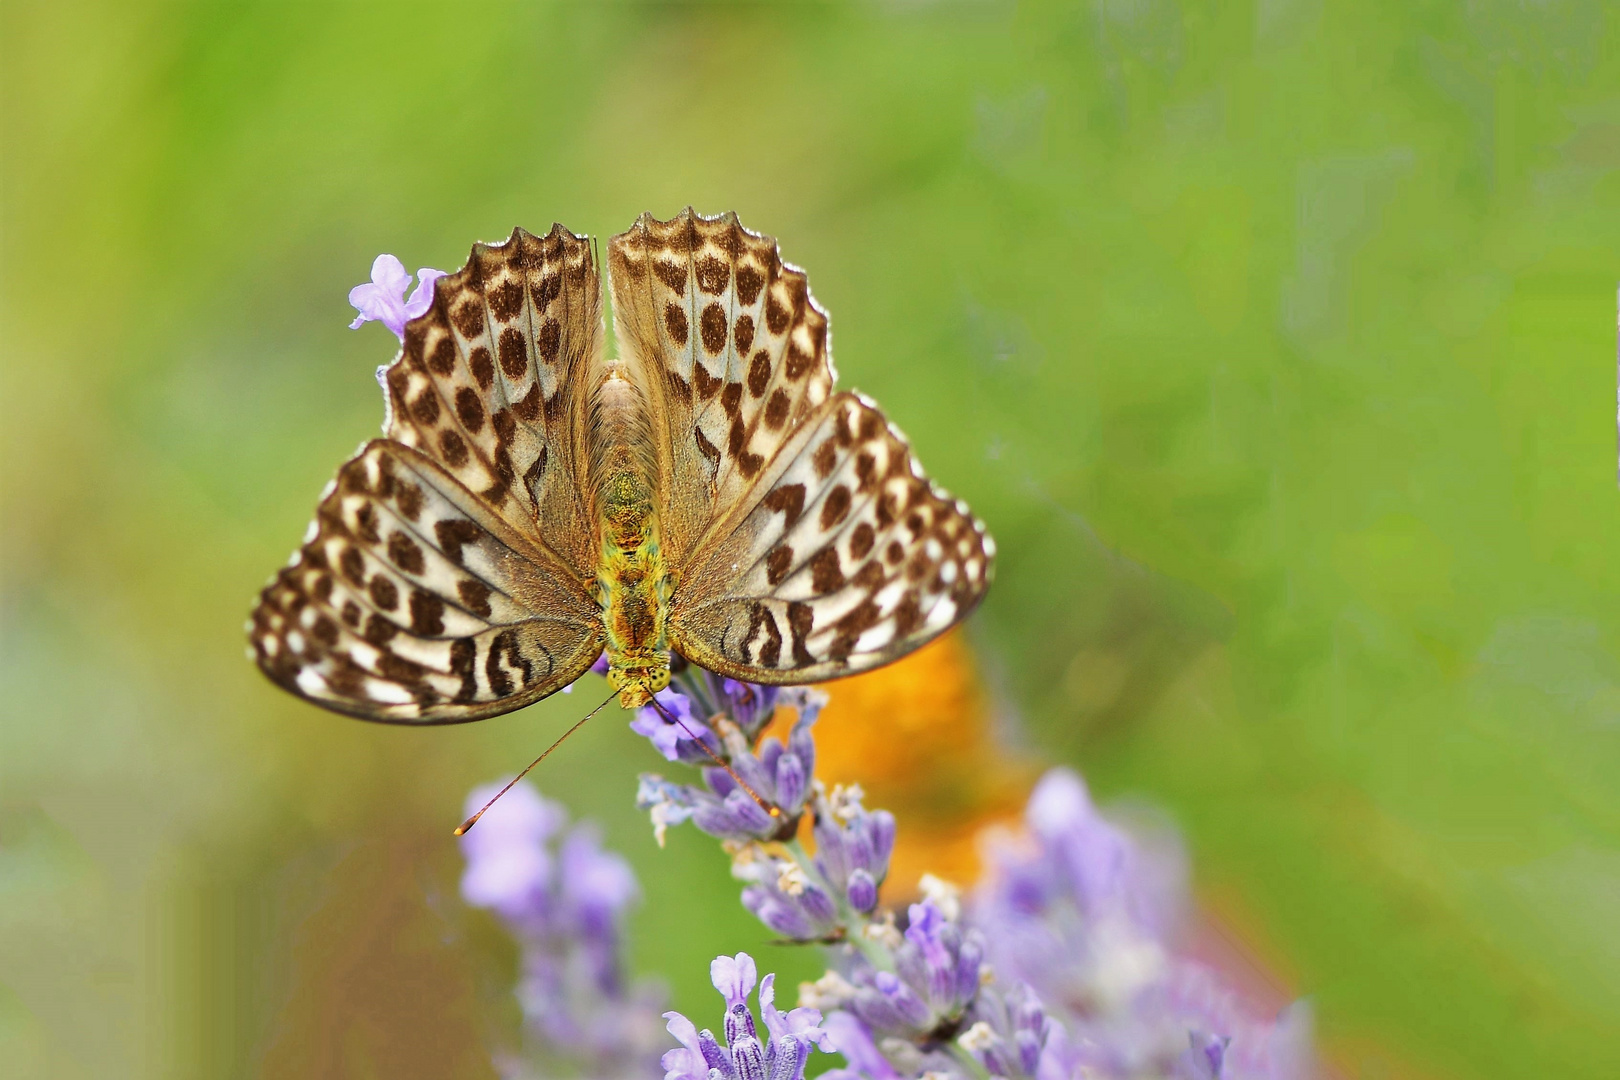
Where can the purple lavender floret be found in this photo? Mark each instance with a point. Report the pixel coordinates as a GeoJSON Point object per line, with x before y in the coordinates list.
{"type": "Point", "coordinates": [776, 773]}
{"type": "Point", "coordinates": [1010, 1033]}
{"type": "Point", "coordinates": [853, 846]}
{"type": "Point", "coordinates": [676, 740]}
{"type": "Point", "coordinates": [382, 299]}
{"type": "Point", "coordinates": [939, 961]}
{"type": "Point", "coordinates": [747, 705]}
{"type": "Point", "coordinates": [750, 705]}
{"type": "Point", "coordinates": [936, 979]}
{"type": "Point", "coordinates": [786, 900]}
{"type": "Point", "coordinates": [782, 1054]}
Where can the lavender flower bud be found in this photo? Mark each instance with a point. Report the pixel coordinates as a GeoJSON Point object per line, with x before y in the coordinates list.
{"type": "Point", "coordinates": [716, 819]}
{"type": "Point", "coordinates": [880, 835]}
{"type": "Point", "coordinates": [832, 852]}
{"type": "Point", "coordinates": [862, 892]}
{"type": "Point", "coordinates": [770, 751]}
{"type": "Point", "coordinates": [715, 1056]}
{"type": "Point", "coordinates": [754, 774]}
{"type": "Point", "coordinates": [739, 1023]}
{"type": "Point", "coordinates": [968, 961]}
{"type": "Point", "coordinates": [755, 820]}
{"type": "Point", "coordinates": [877, 1011]}
{"type": "Point", "coordinates": [818, 906]}
{"type": "Point", "coordinates": [1029, 1051]}
{"type": "Point", "coordinates": [738, 817]}
{"type": "Point", "coordinates": [791, 783]}
{"type": "Point", "coordinates": [801, 742]}
{"type": "Point", "coordinates": [719, 781]}
{"type": "Point", "coordinates": [778, 917]}
{"type": "Point", "coordinates": [911, 1009]}
{"type": "Point", "coordinates": [788, 1058]}
{"type": "Point", "coordinates": [750, 705]}
{"type": "Point", "coordinates": [1208, 1054]}
{"type": "Point", "coordinates": [750, 1059]}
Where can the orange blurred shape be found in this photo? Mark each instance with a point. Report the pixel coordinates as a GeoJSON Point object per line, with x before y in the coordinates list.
{"type": "Point", "coordinates": [917, 735]}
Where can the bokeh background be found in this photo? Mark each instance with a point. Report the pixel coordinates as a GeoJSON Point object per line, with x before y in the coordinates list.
{"type": "Point", "coordinates": [1274, 341]}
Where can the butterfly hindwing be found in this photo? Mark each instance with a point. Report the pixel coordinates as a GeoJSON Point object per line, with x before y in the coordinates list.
{"type": "Point", "coordinates": [732, 353]}
{"type": "Point", "coordinates": [410, 602]}
{"type": "Point", "coordinates": [493, 378]}
{"type": "Point", "coordinates": [848, 558]}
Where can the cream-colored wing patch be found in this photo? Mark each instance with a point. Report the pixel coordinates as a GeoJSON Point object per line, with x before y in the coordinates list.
{"type": "Point", "coordinates": [732, 355]}
{"type": "Point", "coordinates": [849, 558]}
{"type": "Point", "coordinates": [494, 379]}
{"type": "Point", "coordinates": [410, 602]}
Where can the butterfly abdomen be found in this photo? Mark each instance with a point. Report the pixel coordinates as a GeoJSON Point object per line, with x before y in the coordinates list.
{"type": "Point", "coordinates": [632, 581]}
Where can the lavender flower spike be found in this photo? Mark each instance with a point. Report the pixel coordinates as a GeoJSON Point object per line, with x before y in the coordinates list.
{"type": "Point", "coordinates": [788, 1036]}
{"type": "Point", "coordinates": [564, 898]}
{"type": "Point", "coordinates": [509, 867]}
{"type": "Point", "coordinates": [382, 299]}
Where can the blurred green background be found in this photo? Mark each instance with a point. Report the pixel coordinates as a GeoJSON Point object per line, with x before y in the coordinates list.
{"type": "Point", "coordinates": [1274, 341]}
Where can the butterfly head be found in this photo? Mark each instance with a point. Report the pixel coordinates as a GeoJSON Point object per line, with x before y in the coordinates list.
{"type": "Point", "coordinates": [638, 677]}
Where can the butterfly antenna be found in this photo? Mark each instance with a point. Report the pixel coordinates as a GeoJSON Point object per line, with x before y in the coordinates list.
{"type": "Point", "coordinates": [774, 811]}
{"type": "Point", "coordinates": [470, 822]}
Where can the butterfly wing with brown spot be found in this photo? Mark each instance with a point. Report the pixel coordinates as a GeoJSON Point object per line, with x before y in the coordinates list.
{"type": "Point", "coordinates": [732, 355]}
{"type": "Point", "coordinates": [807, 543]}
{"type": "Point", "coordinates": [411, 602]}
{"type": "Point", "coordinates": [443, 578]}
{"type": "Point", "coordinates": [493, 379]}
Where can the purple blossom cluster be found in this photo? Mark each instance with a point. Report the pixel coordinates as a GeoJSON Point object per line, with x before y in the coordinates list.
{"type": "Point", "coordinates": [1082, 914]}
{"type": "Point", "coordinates": [820, 898]}
{"type": "Point", "coordinates": [564, 899]}
{"type": "Point", "coordinates": [853, 845]}
{"type": "Point", "coordinates": [1061, 964]}
{"type": "Point", "coordinates": [717, 720]}
{"type": "Point", "coordinates": [916, 987]}
{"type": "Point", "coordinates": [782, 1055]}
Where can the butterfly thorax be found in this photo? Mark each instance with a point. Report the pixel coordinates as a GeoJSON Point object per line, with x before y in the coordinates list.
{"type": "Point", "coordinates": [632, 583]}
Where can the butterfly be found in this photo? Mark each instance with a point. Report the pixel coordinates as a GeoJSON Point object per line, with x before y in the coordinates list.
{"type": "Point", "coordinates": [534, 504]}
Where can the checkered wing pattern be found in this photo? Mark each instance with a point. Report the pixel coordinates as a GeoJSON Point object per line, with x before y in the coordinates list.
{"type": "Point", "coordinates": [732, 356]}
{"type": "Point", "coordinates": [848, 558]}
{"type": "Point", "coordinates": [493, 379]}
{"type": "Point", "coordinates": [442, 579]}
{"type": "Point", "coordinates": [411, 602]}
{"type": "Point", "coordinates": [805, 541]}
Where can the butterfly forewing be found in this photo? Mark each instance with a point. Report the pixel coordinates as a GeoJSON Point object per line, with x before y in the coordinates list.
{"type": "Point", "coordinates": [493, 376]}
{"type": "Point", "coordinates": [732, 354]}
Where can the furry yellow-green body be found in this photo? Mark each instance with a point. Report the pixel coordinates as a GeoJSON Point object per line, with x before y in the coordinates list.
{"type": "Point", "coordinates": [632, 583]}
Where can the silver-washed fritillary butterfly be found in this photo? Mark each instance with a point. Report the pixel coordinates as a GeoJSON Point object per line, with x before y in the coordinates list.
{"type": "Point", "coordinates": [534, 504]}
